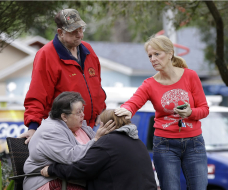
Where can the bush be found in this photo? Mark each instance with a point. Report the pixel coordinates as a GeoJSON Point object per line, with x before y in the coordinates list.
{"type": "Point", "coordinates": [6, 171]}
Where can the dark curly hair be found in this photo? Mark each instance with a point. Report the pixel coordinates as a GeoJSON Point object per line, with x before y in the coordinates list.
{"type": "Point", "coordinates": [63, 104]}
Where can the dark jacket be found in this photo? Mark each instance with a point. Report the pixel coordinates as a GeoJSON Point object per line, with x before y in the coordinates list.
{"type": "Point", "coordinates": [114, 162]}
{"type": "Point", "coordinates": [55, 71]}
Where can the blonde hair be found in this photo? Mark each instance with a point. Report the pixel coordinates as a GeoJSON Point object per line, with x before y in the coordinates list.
{"type": "Point", "coordinates": [110, 115]}
{"type": "Point", "coordinates": [162, 43]}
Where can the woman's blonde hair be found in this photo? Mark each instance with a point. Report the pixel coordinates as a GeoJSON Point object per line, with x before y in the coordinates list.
{"type": "Point", "coordinates": [110, 115]}
{"type": "Point", "coordinates": [162, 43]}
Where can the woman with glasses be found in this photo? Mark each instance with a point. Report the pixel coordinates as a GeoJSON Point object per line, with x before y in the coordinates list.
{"type": "Point", "coordinates": [119, 160]}
{"type": "Point", "coordinates": [178, 142]}
{"type": "Point", "coordinates": [63, 137]}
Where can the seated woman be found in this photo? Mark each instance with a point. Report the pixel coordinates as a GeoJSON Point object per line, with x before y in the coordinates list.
{"type": "Point", "coordinates": [119, 160]}
{"type": "Point", "coordinates": [63, 137]}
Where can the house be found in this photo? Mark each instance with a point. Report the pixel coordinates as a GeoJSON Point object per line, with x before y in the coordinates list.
{"type": "Point", "coordinates": [130, 62]}
{"type": "Point", "coordinates": [122, 64]}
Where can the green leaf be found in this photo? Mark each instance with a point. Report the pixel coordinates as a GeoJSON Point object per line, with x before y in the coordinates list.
{"type": "Point", "coordinates": [0, 175]}
{"type": "Point", "coordinates": [11, 185]}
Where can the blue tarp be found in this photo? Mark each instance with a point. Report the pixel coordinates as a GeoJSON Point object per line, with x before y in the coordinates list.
{"type": "Point", "coordinates": [216, 90]}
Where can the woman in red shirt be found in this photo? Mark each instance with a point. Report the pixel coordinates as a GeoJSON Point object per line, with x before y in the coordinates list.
{"type": "Point", "coordinates": [178, 141]}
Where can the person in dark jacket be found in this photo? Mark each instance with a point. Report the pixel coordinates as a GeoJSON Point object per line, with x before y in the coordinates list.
{"type": "Point", "coordinates": [64, 64]}
{"type": "Point", "coordinates": [119, 160]}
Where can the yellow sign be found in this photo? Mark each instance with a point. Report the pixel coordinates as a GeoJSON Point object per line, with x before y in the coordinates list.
{"type": "Point", "coordinates": [11, 115]}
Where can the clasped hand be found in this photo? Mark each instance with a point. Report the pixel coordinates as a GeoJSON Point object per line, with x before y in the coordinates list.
{"type": "Point", "coordinates": [185, 112]}
{"type": "Point", "coordinates": [44, 171]}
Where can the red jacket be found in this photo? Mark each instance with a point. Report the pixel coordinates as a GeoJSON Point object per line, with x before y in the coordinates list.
{"type": "Point", "coordinates": [56, 71]}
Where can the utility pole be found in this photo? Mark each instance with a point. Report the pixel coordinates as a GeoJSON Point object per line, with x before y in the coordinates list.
{"type": "Point", "coordinates": [168, 26]}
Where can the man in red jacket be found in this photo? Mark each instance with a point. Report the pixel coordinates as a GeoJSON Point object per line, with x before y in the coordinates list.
{"type": "Point", "coordinates": [64, 64]}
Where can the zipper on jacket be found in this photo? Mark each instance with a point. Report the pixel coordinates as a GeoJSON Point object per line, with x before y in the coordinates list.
{"type": "Point", "coordinates": [90, 97]}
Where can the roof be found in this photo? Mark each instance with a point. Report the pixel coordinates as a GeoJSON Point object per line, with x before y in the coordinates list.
{"type": "Point", "coordinates": [127, 58]}
{"type": "Point", "coordinates": [130, 55]}
{"type": "Point", "coordinates": [29, 46]}
{"type": "Point", "coordinates": [134, 57]}
{"type": "Point", "coordinates": [21, 63]}
{"type": "Point", "coordinates": [34, 41]}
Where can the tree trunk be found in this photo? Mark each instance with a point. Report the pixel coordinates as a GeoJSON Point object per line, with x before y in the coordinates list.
{"type": "Point", "coordinates": [219, 60]}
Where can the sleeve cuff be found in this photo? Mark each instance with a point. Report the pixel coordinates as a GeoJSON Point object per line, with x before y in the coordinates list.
{"type": "Point", "coordinates": [50, 173]}
{"type": "Point", "coordinates": [193, 115]}
{"type": "Point", "coordinates": [33, 125]}
{"type": "Point", "coordinates": [128, 108]}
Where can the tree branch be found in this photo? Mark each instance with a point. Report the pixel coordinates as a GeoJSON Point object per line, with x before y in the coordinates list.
{"type": "Point", "coordinates": [6, 8]}
{"type": "Point", "coordinates": [219, 60]}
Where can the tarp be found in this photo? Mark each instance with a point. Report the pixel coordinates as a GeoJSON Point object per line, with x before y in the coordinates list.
{"type": "Point", "coordinates": [216, 90]}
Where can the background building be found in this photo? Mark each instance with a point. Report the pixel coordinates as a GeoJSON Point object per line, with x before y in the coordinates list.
{"type": "Point", "coordinates": [123, 64]}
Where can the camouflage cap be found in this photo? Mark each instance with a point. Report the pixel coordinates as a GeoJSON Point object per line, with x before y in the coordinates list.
{"type": "Point", "coordinates": [71, 20]}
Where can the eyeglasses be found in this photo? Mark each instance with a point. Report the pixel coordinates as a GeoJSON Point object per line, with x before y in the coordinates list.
{"type": "Point", "coordinates": [78, 113]}
{"type": "Point", "coordinates": [82, 29]}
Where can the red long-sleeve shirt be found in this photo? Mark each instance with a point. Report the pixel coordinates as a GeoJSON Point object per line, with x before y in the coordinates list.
{"type": "Point", "coordinates": [166, 97]}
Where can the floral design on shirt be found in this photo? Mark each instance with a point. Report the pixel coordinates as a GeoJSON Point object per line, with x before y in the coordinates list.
{"type": "Point", "coordinates": [172, 97]}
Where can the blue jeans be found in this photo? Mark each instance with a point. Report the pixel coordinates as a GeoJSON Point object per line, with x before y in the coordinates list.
{"type": "Point", "coordinates": [170, 155]}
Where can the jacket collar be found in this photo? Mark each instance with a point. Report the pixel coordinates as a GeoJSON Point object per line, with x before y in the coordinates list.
{"type": "Point", "coordinates": [64, 54]}
{"type": "Point", "coordinates": [83, 52]}
{"type": "Point", "coordinates": [130, 130]}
